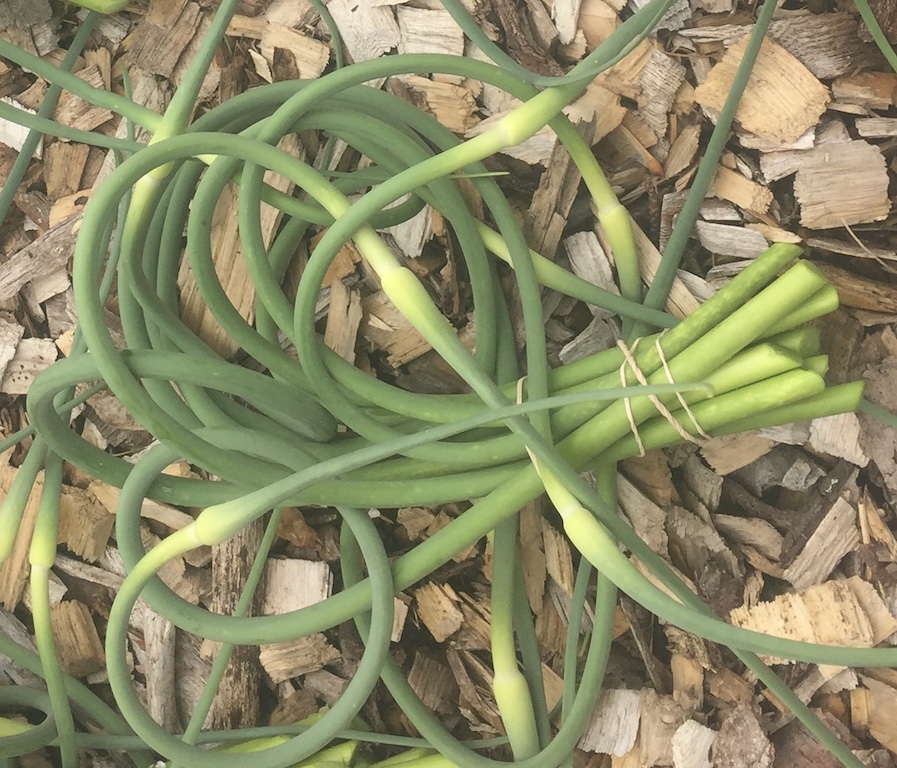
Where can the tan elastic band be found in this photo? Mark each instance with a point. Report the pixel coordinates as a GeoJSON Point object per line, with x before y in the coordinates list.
{"type": "Point", "coordinates": [662, 409]}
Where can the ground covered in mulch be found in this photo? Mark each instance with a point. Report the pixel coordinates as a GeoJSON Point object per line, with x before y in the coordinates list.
{"type": "Point", "coordinates": [791, 529]}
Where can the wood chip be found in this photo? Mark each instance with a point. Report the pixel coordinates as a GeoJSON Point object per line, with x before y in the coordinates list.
{"type": "Point", "coordinates": [730, 452]}
{"type": "Point", "coordinates": [50, 251]}
{"type": "Point", "coordinates": [615, 723]}
{"type": "Point", "coordinates": [14, 571]}
{"type": "Point", "coordinates": [661, 718]}
{"type": "Point", "coordinates": [692, 744]}
{"type": "Point", "coordinates": [294, 584]}
{"type": "Point", "coordinates": [724, 240]}
{"type": "Point", "coordinates": [368, 30]}
{"type": "Point", "coordinates": [742, 741]}
{"type": "Point", "coordinates": [842, 185]}
{"type": "Point", "coordinates": [861, 292]}
{"type": "Point", "coordinates": [880, 708]}
{"type": "Point", "coordinates": [159, 635]}
{"type": "Point", "coordinates": [437, 608]}
{"type": "Point", "coordinates": [659, 80]}
{"type": "Point", "coordinates": [422, 30]}
{"type": "Point", "coordinates": [743, 192]}
{"type": "Point", "coordinates": [831, 613]}
{"type": "Point", "coordinates": [84, 524]}
{"type": "Point", "coordinates": [294, 658]}
{"type": "Point", "coordinates": [835, 536]}
{"type": "Point", "coordinates": [77, 641]}
{"type": "Point", "coordinates": [389, 330]}
{"type": "Point", "coordinates": [343, 319]}
{"type": "Point", "coordinates": [782, 99]}
{"type": "Point", "coordinates": [433, 683]}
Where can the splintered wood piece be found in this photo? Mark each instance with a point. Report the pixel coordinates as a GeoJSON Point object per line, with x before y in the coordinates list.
{"type": "Point", "coordinates": [433, 683]}
{"type": "Point", "coordinates": [13, 135]}
{"type": "Point", "coordinates": [558, 558]}
{"type": "Point", "coordinates": [842, 185]}
{"type": "Point", "coordinates": [293, 584]}
{"type": "Point", "coordinates": [743, 192]}
{"type": "Point", "coordinates": [413, 234]}
{"type": "Point", "coordinates": [294, 658]}
{"type": "Point", "coordinates": [730, 452]}
{"type": "Point", "coordinates": [661, 718]}
{"type": "Point", "coordinates": [388, 329]}
{"type": "Point", "coordinates": [782, 98]}
{"type": "Point", "coordinates": [688, 682]}
{"type": "Point", "coordinates": [660, 80]}
{"type": "Point", "coordinates": [838, 436]}
{"type": "Point", "coordinates": [474, 677]}
{"type": "Point", "coordinates": [835, 536]}
{"type": "Point", "coordinates": [77, 641]}
{"type": "Point", "coordinates": [236, 703]}
{"type": "Point", "coordinates": [602, 333]}
{"type": "Point", "coordinates": [415, 521]}
{"type": "Point", "coordinates": [451, 104]}
{"type": "Point", "coordinates": [565, 13]}
{"type": "Point", "coordinates": [706, 485]}
{"type": "Point", "coordinates": [873, 90]}
{"type": "Point", "coordinates": [343, 319]}
{"type": "Point", "coordinates": [877, 528]}
{"type": "Point", "coordinates": [74, 112]}
{"type": "Point", "coordinates": [399, 616]}
{"type": "Point", "coordinates": [877, 128]}
{"type": "Point", "coordinates": [159, 636]}
{"type": "Point", "coordinates": [615, 723]}
{"type": "Point", "coordinates": [589, 261]}
{"type": "Point", "coordinates": [692, 744]}
{"type": "Point", "coordinates": [171, 32]}
{"type": "Point", "coordinates": [15, 569]}
{"type": "Point", "coordinates": [84, 524]}
{"type": "Point", "coordinates": [550, 208]}
{"type": "Point", "coordinates": [599, 107]}
{"type": "Point", "coordinates": [826, 43]}
{"type": "Point", "coordinates": [367, 29]}
{"type": "Point", "coordinates": [63, 166]}
{"type": "Point", "coordinates": [651, 474]}
{"type": "Point", "coordinates": [309, 56]}
{"type": "Point", "coordinates": [437, 608]}
{"type": "Point", "coordinates": [532, 554]}
{"type": "Point", "coordinates": [647, 519]}
{"type": "Point", "coordinates": [690, 658]}
{"type": "Point", "coordinates": [880, 710]}
{"type": "Point", "coordinates": [729, 687]}
{"type": "Point", "coordinates": [680, 302]}
{"type": "Point", "coordinates": [50, 251]}
{"type": "Point", "coordinates": [832, 613]}
{"type": "Point", "coordinates": [11, 334]}
{"type": "Point", "coordinates": [742, 741]}
{"type": "Point", "coordinates": [860, 292]}
{"type": "Point", "coordinates": [697, 547]}
{"type": "Point", "coordinates": [725, 240]}
{"type": "Point", "coordinates": [476, 629]}
{"type": "Point", "coordinates": [422, 30]}
{"type": "Point", "coordinates": [683, 150]}
{"type": "Point", "coordinates": [751, 532]}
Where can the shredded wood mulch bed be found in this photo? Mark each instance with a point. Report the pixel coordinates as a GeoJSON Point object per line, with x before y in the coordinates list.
{"type": "Point", "coordinates": [789, 531]}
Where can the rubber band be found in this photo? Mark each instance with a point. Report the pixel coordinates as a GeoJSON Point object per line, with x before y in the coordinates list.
{"type": "Point", "coordinates": [629, 359]}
